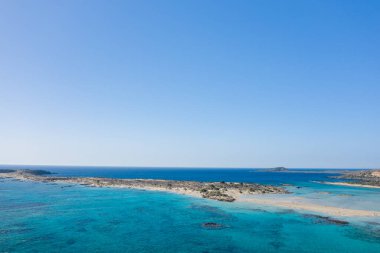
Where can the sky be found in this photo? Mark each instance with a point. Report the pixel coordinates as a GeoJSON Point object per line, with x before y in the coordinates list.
{"type": "Point", "coordinates": [198, 83]}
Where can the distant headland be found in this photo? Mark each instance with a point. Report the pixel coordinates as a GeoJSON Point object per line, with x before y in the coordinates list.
{"type": "Point", "coordinates": [275, 169]}
{"type": "Point", "coordinates": [364, 178]}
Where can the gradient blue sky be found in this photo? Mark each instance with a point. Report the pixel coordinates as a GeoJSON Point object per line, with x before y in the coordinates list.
{"type": "Point", "coordinates": [190, 83]}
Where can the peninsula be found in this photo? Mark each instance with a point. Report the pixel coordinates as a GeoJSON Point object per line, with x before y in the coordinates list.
{"type": "Point", "coordinates": [259, 194]}
{"type": "Point", "coordinates": [221, 191]}
{"type": "Point", "coordinates": [364, 178]}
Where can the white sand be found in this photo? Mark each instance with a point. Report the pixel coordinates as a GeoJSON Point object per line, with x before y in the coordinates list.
{"type": "Point", "coordinates": [302, 204]}
{"type": "Point", "coordinates": [353, 185]}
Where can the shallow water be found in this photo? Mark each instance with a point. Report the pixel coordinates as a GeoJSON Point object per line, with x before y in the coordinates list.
{"type": "Point", "coordinates": [40, 217]}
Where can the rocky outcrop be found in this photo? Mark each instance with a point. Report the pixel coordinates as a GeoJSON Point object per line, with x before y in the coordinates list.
{"type": "Point", "coordinates": [363, 177]}
{"type": "Point", "coordinates": [212, 225]}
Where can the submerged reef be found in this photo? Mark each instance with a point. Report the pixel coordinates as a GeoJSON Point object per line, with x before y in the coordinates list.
{"type": "Point", "coordinates": [326, 219]}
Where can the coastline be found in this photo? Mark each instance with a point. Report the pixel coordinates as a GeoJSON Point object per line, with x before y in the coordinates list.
{"type": "Point", "coordinates": [301, 205]}
{"type": "Point", "coordinates": [221, 191]}
{"type": "Point", "coordinates": [351, 184]}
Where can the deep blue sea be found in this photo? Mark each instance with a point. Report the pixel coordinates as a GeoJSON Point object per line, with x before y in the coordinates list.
{"type": "Point", "coordinates": [41, 217]}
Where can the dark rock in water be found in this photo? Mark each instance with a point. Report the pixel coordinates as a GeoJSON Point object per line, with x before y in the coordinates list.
{"type": "Point", "coordinates": [286, 211]}
{"type": "Point", "coordinates": [67, 186]}
{"type": "Point", "coordinates": [326, 219]}
{"type": "Point", "coordinates": [338, 222]}
{"type": "Point", "coordinates": [258, 210]}
{"type": "Point", "coordinates": [216, 195]}
{"type": "Point", "coordinates": [212, 225]}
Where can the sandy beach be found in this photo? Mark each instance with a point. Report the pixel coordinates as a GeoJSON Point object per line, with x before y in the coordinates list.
{"type": "Point", "coordinates": [301, 204]}
{"type": "Point", "coordinates": [351, 184]}
{"type": "Point", "coordinates": [294, 203]}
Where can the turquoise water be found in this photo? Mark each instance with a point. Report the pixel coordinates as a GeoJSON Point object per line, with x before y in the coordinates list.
{"type": "Point", "coordinates": [40, 217]}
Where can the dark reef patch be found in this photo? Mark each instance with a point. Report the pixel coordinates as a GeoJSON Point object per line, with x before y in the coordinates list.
{"type": "Point", "coordinates": [213, 225]}
{"type": "Point", "coordinates": [326, 219]}
{"type": "Point", "coordinates": [369, 233]}
{"type": "Point", "coordinates": [286, 211]}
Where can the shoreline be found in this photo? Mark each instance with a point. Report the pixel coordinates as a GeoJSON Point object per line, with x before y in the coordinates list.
{"type": "Point", "coordinates": [351, 184]}
{"type": "Point", "coordinates": [300, 205]}
{"type": "Point", "coordinates": [220, 191]}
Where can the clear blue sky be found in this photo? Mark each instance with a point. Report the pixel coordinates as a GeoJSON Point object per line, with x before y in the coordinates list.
{"type": "Point", "coordinates": [190, 83]}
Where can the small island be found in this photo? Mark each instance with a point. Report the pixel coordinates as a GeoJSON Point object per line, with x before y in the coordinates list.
{"type": "Point", "coordinates": [258, 194]}
{"type": "Point", "coordinates": [275, 169]}
{"type": "Point", "coordinates": [278, 169]}
{"type": "Point", "coordinates": [221, 191]}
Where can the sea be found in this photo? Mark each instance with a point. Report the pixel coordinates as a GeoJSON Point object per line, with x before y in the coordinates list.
{"type": "Point", "coordinates": [48, 217]}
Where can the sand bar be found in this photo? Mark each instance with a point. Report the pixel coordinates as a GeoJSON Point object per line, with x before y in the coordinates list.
{"type": "Point", "coordinates": [302, 205]}
{"type": "Point", "coordinates": [351, 184]}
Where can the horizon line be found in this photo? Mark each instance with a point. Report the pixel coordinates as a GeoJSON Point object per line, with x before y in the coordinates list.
{"type": "Point", "coordinates": [179, 167]}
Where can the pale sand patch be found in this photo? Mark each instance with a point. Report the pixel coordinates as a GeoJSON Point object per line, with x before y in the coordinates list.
{"type": "Point", "coordinates": [349, 184]}
{"type": "Point", "coordinates": [300, 204]}
{"type": "Point", "coordinates": [188, 192]}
